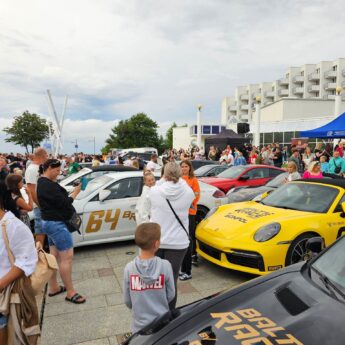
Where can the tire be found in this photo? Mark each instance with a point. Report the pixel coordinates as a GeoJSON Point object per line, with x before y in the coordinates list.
{"type": "Point", "coordinates": [200, 214]}
{"type": "Point", "coordinates": [297, 249]}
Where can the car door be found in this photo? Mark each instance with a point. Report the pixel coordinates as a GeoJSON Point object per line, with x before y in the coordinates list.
{"type": "Point", "coordinates": [115, 216]}
{"type": "Point", "coordinates": [335, 223]}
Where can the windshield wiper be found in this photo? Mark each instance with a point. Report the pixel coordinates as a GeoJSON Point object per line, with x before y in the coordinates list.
{"type": "Point", "coordinates": [328, 284]}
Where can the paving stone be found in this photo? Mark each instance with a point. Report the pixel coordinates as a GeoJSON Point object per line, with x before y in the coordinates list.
{"type": "Point", "coordinates": [187, 298]}
{"type": "Point", "coordinates": [88, 264]}
{"type": "Point", "coordinates": [114, 299]}
{"type": "Point", "coordinates": [85, 325]}
{"type": "Point", "coordinates": [120, 260]}
{"type": "Point", "coordinates": [105, 272]}
{"type": "Point", "coordinates": [113, 341]}
{"type": "Point", "coordinates": [98, 286]}
{"type": "Point", "coordinates": [64, 307]}
{"type": "Point", "coordinates": [103, 341]}
{"type": "Point", "coordinates": [185, 287]}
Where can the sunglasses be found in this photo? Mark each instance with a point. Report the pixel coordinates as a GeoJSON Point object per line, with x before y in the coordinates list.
{"type": "Point", "coordinates": [54, 163]}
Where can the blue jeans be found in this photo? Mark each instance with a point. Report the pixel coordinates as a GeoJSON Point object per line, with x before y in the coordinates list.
{"type": "Point", "coordinates": [3, 321]}
{"type": "Point", "coordinates": [58, 234]}
{"type": "Point", "coordinates": [38, 221]}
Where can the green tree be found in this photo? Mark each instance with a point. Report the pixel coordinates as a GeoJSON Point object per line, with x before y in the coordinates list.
{"type": "Point", "coordinates": [169, 136]}
{"type": "Point", "coordinates": [27, 130]}
{"type": "Point", "coordinates": [137, 131]}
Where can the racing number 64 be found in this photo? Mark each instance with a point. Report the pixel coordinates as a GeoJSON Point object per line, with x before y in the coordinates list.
{"type": "Point", "coordinates": [96, 218]}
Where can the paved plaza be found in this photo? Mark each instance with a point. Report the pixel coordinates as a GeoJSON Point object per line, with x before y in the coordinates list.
{"type": "Point", "coordinates": [102, 320]}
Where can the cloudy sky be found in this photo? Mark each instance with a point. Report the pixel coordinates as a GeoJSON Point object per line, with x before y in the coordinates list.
{"type": "Point", "coordinates": [115, 58]}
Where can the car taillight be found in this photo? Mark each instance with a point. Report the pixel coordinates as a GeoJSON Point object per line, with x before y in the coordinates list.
{"type": "Point", "coordinates": [218, 194]}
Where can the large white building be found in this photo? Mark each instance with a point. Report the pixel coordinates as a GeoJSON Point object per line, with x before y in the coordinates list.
{"type": "Point", "coordinates": [308, 82]}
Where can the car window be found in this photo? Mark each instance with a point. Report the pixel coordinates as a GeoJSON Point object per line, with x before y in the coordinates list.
{"type": "Point", "coordinates": [94, 185]}
{"type": "Point", "coordinates": [202, 170]}
{"type": "Point", "coordinates": [338, 207]}
{"type": "Point", "coordinates": [233, 172]}
{"type": "Point", "coordinates": [126, 188]}
{"type": "Point", "coordinates": [275, 172]}
{"type": "Point", "coordinates": [306, 197]}
{"type": "Point", "coordinates": [220, 169]}
{"type": "Point", "coordinates": [258, 173]}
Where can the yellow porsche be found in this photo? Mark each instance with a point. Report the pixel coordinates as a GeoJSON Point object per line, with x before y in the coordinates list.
{"type": "Point", "coordinates": [264, 236]}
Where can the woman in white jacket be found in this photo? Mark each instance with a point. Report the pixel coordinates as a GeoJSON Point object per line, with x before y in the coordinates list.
{"type": "Point", "coordinates": [143, 207]}
{"type": "Point", "coordinates": [22, 246]}
{"type": "Point", "coordinates": [174, 237]}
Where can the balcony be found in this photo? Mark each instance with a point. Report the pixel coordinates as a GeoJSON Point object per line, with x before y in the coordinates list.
{"type": "Point", "coordinates": [314, 88]}
{"type": "Point", "coordinates": [330, 74]}
{"type": "Point", "coordinates": [267, 102]}
{"type": "Point", "coordinates": [283, 92]}
{"type": "Point", "coordinates": [244, 97]}
{"type": "Point", "coordinates": [244, 117]}
{"type": "Point", "coordinates": [298, 79]}
{"type": "Point", "coordinates": [232, 108]}
{"type": "Point", "coordinates": [283, 81]}
{"type": "Point", "coordinates": [244, 107]}
{"type": "Point", "coordinates": [343, 84]}
{"type": "Point", "coordinates": [269, 94]}
{"type": "Point", "coordinates": [298, 90]}
{"type": "Point", "coordinates": [330, 86]}
{"type": "Point", "coordinates": [314, 76]}
{"type": "Point", "coordinates": [330, 97]}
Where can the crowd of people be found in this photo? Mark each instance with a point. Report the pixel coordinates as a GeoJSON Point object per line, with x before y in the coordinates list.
{"type": "Point", "coordinates": [165, 216]}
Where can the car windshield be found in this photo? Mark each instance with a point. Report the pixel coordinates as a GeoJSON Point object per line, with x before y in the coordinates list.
{"type": "Point", "coordinates": [75, 176]}
{"type": "Point", "coordinates": [94, 185]}
{"type": "Point", "coordinates": [277, 181]}
{"type": "Point", "coordinates": [307, 197]}
{"type": "Point", "coordinates": [202, 170]}
{"type": "Point", "coordinates": [331, 264]}
{"type": "Point", "coordinates": [233, 172]}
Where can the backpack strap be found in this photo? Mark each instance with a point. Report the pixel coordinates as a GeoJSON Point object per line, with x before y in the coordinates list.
{"type": "Point", "coordinates": [7, 244]}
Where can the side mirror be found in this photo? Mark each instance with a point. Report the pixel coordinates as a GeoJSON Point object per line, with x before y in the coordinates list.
{"type": "Point", "coordinates": [244, 177]}
{"type": "Point", "coordinates": [103, 194]}
{"type": "Point", "coordinates": [314, 246]}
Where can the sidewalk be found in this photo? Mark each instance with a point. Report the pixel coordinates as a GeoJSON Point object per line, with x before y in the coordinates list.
{"type": "Point", "coordinates": [98, 275]}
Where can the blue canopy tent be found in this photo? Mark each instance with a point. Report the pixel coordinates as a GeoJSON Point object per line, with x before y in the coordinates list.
{"type": "Point", "coordinates": [332, 130]}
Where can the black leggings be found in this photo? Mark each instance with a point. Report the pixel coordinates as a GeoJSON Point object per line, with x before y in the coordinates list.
{"type": "Point", "coordinates": [187, 261]}
{"type": "Point", "coordinates": [175, 257]}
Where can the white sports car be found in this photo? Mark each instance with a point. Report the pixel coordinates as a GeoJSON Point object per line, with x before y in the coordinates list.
{"type": "Point", "coordinates": [107, 207]}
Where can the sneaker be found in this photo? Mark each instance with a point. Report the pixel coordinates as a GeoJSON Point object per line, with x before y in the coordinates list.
{"type": "Point", "coordinates": [185, 276]}
{"type": "Point", "coordinates": [181, 274]}
{"type": "Point", "coordinates": [194, 260]}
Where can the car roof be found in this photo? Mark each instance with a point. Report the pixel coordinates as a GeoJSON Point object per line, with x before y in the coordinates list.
{"type": "Point", "coordinates": [124, 174]}
{"type": "Point", "coordinates": [263, 166]}
{"type": "Point", "coordinates": [113, 167]}
{"type": "Point", "coordinates": [326, 181]}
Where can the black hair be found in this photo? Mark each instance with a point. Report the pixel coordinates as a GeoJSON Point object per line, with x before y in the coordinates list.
{"type": "Point", "coordinates": [49, 163]}
{"type": "Point", "coordinates": [6, 201]}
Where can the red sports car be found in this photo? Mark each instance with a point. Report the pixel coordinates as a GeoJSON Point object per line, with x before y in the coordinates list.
{"type": "Point", "coordinates": [243, 175]}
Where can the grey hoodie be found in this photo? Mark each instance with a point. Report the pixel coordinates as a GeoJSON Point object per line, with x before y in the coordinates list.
{"type": "Point", "coordinates": [148, 288]}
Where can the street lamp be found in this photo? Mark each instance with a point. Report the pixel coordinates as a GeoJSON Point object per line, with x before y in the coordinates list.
{"type": "Point", "coordinates": [257, 121]}
{"type": "Point", "coordinates": [198, 121]}
{"type": "Point", "coordinates": [94, 145]}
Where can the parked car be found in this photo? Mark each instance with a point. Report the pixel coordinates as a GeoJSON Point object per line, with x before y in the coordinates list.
{"type": "Point", "coordinates": [210, 170]}
{"type": "Point", "coordinates": [261, 237]}
{"type": "Point", "coordinates": [243, 175]}
{"type": "Point", "coordinates": [85, 175]}
{"type": "Point", "coordinates": [300, 304]}
{"type": "Point", "coordinates": [247, 193]}
{"type": "Point", "coordinates": [107, 206]}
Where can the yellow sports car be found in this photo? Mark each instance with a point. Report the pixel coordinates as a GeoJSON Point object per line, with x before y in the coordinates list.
{"type": "Point", "coordinates": [260, 237]}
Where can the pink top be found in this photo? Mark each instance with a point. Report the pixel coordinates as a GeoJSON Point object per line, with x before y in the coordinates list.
{"type": "Point", "coordinates": [307, 174]}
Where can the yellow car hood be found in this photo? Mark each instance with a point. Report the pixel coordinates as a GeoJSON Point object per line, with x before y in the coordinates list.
{"type": "Point", "coordinates": [245, 218]}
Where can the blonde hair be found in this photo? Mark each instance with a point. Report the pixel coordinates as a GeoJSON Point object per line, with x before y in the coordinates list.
{"type": "Point", "coordinates": [312, 165]}
{"type": "Point", "coordinates": [293, 165]}
{"type": "Point", "coordinates": [172, 172]}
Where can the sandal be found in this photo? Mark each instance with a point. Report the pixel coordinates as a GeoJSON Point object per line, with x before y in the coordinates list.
{"type": "Point", "coordinates": [61, 290]}
{"type": "Point", "coordinates": [76, 299]}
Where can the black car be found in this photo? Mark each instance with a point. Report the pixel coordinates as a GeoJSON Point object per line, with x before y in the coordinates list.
{"type": "Point", "coordinates": [300, 304]}
{"type": "Point", "coordinates": [210, 170]}
{"type": "Point", "coordinates": [247, 193]}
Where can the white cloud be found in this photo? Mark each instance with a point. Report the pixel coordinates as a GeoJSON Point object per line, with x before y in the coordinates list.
{"type": "Point", "coordinates": [117, 58]}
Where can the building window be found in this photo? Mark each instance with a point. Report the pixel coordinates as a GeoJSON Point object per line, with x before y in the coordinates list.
{"type": "Point", "coordinates": [206, 129]}
{"type": "Point", "coordinates": [215, 129]}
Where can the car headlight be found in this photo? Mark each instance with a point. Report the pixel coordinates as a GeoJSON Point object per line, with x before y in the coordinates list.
{"type": "Point", "coordinates": [211, 212]}
{"type": "Point", "coordinates": [267, 232]}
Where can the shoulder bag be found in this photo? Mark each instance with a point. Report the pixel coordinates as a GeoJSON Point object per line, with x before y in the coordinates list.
{"type": "Point", "coordinates": [74, 223]}
{"type": "Point", "coordinates": [178, 219]}
{"type": "Point", "coordinates": [45, 267]}
{"type": "Point", "coordinates": [337, 168]}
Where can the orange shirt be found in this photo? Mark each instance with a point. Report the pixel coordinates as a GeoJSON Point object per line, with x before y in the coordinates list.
{"type": "Point", "coordinates": [194, 184]}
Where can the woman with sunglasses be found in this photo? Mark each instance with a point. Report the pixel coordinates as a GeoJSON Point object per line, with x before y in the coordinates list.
{"type": "Point", "coordinates": [57, 209]}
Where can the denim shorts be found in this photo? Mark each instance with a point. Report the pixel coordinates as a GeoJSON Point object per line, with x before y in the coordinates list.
{"type": "Point", "coordinates": [58, 234]}
{"type": "Point", "coordinates": [38, 221]}
{"type": "Point", "coordinates": [3, 321]}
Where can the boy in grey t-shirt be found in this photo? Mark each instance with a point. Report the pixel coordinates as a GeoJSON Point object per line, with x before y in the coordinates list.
{"type": "Point", "coordinates": [148, 280]}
